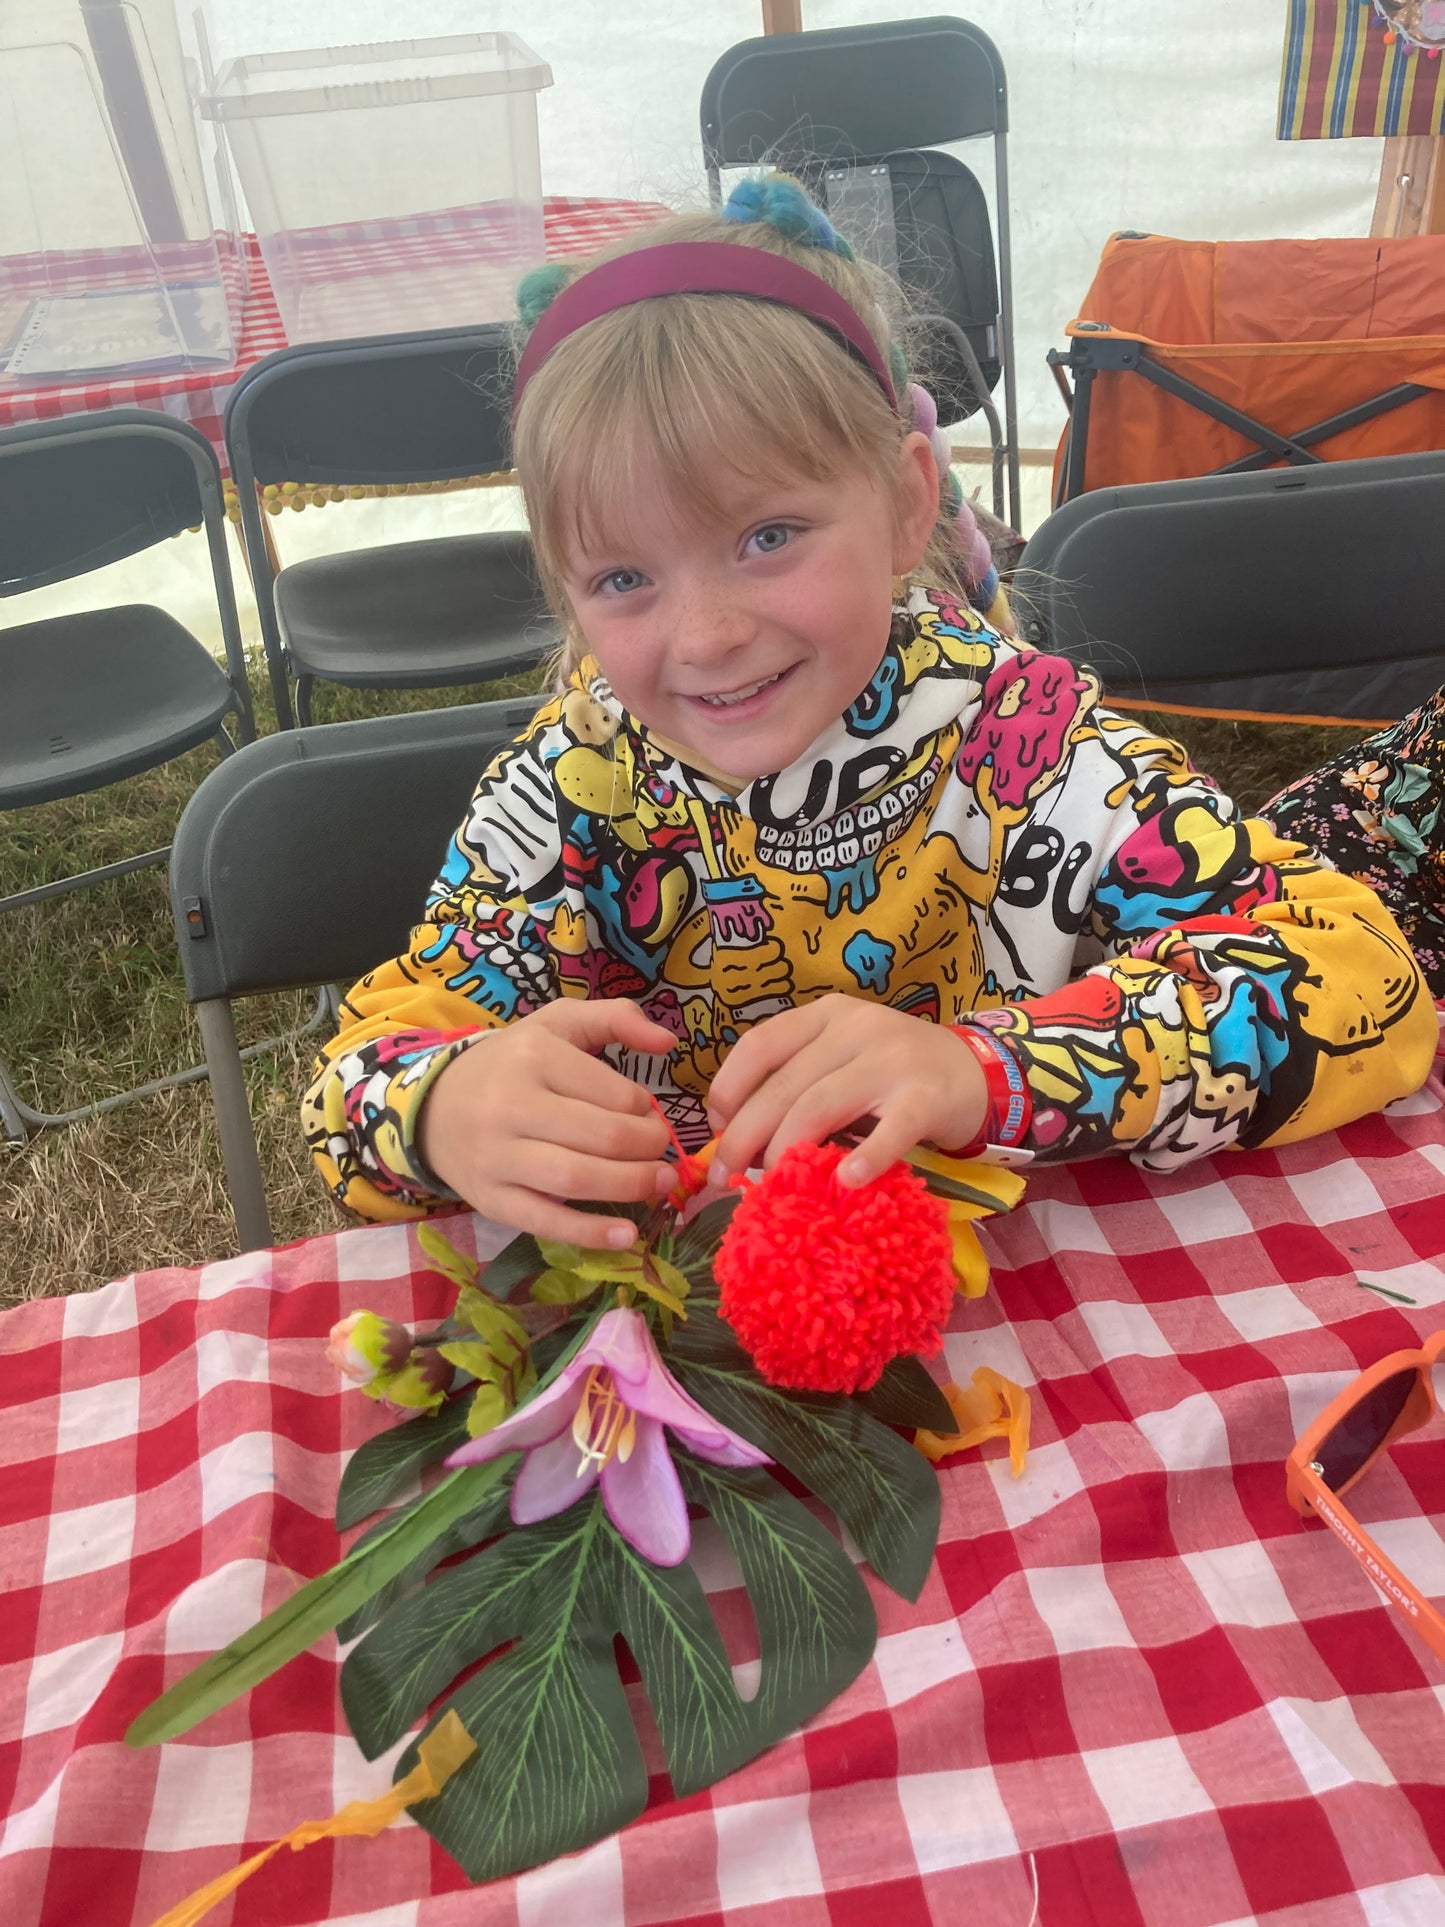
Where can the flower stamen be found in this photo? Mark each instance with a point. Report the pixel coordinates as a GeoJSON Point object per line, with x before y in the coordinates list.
{"type": "Point", "coordinates": [605, 1425]}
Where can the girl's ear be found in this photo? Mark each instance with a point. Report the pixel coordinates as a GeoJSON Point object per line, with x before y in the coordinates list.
{"type": "Point", "coordinates": [915, 502]}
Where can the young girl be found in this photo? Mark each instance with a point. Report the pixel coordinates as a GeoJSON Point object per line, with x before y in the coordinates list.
{"type": "Point", "coordinates": [803, 844]}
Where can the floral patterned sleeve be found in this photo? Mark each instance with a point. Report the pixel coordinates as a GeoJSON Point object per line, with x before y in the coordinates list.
{"type": "Point", "coordinates": [1247, 993]}
{"type": "Point", "coordinates": [1374, 812]}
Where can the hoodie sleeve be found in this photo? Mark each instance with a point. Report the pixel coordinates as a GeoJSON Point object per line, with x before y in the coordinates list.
{"type": "Point", "coordinates": [481, 958]}
{"type": "Point", "coordinates": [1248, 993]}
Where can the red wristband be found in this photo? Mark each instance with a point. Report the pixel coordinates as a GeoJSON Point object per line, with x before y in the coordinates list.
{"type": "Point", "coordinates": [1010, 1102]}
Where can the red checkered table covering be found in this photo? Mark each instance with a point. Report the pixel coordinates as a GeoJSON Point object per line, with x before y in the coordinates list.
{"type": "Point", "coordinates": [1133, 1672]}
{"type": "Point", "coordinates": [573, 226]}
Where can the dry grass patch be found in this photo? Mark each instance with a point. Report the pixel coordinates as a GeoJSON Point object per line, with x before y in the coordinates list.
{"type": "Point", "coordinates": [91, 1000]}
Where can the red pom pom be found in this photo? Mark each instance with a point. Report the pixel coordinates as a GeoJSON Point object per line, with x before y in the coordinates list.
{"type": "Point", "coordinates": [823, 1284]}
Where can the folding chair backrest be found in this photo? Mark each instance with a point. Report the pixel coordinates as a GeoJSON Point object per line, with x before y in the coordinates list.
{"type": "Point", "coordinates": [78, 493]}
{"type": "Point", "coordinates": [857, 92]}
{"type": "Point", "coordinates": [389, 408]}
{"type": "Point", "coordinates": [1304, 593]}
{"type": "Point", "coordinates": [305, 859]}
{"type": "Point", "coordinates": [889, 93]}
{"type": "Point", "coordinates": [946, 262]}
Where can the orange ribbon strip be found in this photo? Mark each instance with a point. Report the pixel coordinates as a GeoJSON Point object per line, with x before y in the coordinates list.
{"type": "Point", "coordinates": [993, 1407]}
{"type": "Point", "coordinates": [441, 1753]}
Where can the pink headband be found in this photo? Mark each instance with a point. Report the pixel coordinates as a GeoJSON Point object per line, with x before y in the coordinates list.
{"type": "Point", "coordinates": [698, 267]}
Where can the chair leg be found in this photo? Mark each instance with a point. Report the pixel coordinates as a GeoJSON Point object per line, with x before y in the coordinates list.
{"type": "Point", "coordinates": [303, 700]}
{"type": "Point", "coordinates": [62, 887]}
{"type": "Point", "coordinates": [244, 1179]}
{"type": "Point", "coordinates": [15, 1115]}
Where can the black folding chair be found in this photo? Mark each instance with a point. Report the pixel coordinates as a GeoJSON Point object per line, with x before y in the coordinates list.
{"type": "Point", "coordinates": [1306, 594]}
{"type": "Point", "coordinates": [410, 615]}
{"type": "Point", "coordinates": [90, 698]}
{"type": "Point", "coordinates": [856, 112]}
{"type": "Point", "coordinates": [270, 894]}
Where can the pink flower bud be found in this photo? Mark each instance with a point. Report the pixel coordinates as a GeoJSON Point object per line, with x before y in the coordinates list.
{"type": "Point", "coordinates": [363, 1346]}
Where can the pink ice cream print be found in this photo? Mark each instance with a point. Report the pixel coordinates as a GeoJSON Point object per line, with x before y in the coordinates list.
{"type": "Point", "coordinates": [739, 916]}
{"type": "Point", "coordinates": [1030, 705]}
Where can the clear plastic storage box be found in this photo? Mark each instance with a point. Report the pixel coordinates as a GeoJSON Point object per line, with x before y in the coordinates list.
{"type": "Point", "coordinates": [109, 264]}
{"type": "Point", "coordinates": [393, 186]}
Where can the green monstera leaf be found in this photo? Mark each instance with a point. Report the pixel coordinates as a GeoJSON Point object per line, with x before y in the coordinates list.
{"type": "Point", "coordinates": [884, 1492]}
{"type": "Point", "coordinates": [562, 1764]}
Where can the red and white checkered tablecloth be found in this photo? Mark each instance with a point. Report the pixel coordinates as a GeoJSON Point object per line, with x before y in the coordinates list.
{"type": "Point", "coordinates": [1132, 1671]}
{"type": "Point", "coordinates": [573, 226]}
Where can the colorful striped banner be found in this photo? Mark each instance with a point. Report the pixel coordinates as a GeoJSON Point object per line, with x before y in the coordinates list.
{"type": "Point", "coordinates": [1339, 78]}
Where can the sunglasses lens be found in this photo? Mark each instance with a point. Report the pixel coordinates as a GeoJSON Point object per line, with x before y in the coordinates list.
{"type": "Point", "coordinates": [1362, 1429]}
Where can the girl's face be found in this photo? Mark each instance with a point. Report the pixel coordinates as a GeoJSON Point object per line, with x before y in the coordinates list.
{"type": "Point", "coordinates": [742, 638]}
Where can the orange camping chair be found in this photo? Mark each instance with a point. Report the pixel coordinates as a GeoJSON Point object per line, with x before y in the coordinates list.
{"type": "Point", "coordinates": [1206, 357]}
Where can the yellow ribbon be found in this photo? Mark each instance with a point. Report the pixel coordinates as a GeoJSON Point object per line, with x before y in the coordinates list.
{"type": "Point", "coordinates": [993, 1407]}
{"type": "Point", "coordinates": [445, 1749]}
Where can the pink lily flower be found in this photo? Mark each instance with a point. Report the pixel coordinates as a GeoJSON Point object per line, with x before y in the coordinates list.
{"type": "Point", "coordinates": [602, 1418]}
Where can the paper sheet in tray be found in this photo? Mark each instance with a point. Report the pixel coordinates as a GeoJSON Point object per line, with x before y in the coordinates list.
{"type": "Point", "coordinates": [119, 328]}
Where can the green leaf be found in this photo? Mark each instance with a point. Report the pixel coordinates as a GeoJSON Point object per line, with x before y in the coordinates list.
{"type": "Point", "coordinates": [558, 1287]}
{"type": "Point", "coordinates": [561, 1764]}
{"type": "Point", "coordinates": [558, 1764]}
{"type": "Point", "coordinates": [697, 1241]}
{"type": "Point", "coordinates": [597, 1267]}
{"type": "Point", "coordinates": [663, 1614]}
{"type": "Point", "coordinates": [884, 1492]}
{"type": "Point", "coordinates": [514, 1266]}
{"type": "Point", "coordinates": [444, 1257]}
{"type": "Point", "coordinates": [943, 1186]}
{"type": "Point", "coordinates": [313, 1611]}
{"type": "Point", "coordinates": [490, 1319]}
{"type": "Point", "coordinates": [906, 1395]}
{"type": "Point", "coordinates": [489, 1406]}
{"type": "Point", "coordinates": [480, 1524]}
{"type": "Point", "coordinates": [384, 1465]}
{"type": "Point", "coordinates": [816, 1625]}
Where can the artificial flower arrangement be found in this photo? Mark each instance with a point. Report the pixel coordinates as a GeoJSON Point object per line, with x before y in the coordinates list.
{"type": "Point", "coordinates": [585, 1404]}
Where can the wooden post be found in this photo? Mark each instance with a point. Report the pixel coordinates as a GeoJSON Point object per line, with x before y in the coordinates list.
{"type": "Point", "coordinates": [782, 16]}
{"type": "Point", "coordinates": [1411, 196]}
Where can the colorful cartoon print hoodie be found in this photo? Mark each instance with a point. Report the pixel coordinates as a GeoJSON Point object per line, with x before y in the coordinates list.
{"type": "Point", "coordinates": [976, 837]}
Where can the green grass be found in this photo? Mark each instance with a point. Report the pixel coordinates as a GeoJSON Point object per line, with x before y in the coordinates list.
{"type": "Point", "coordinates": [91, 1001]}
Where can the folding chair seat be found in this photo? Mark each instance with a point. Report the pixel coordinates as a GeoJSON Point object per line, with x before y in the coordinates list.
{"type": "Point", "coordinates": [267, 896]}
{"type": "Point", "coordinates": [1304, 594]}
{"type": "Point", "coordinates": [392, 409]}
{"type": "Point", "coordinates": [417, 615]}
{"type": "Point", "coordinates": [857, 113]}
{"type": "Point", "coordinates": [90, 698]}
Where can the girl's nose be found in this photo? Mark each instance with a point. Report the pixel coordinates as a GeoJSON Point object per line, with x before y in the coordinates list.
{"type": "Point", "coordinates": [711, 625]}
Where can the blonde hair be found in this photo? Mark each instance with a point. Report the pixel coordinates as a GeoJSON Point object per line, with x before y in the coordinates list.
{"type": "Point", "coordinates": [703, 387]}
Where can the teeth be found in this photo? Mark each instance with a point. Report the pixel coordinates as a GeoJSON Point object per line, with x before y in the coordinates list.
{"type": "Point", "coordinates": [739, 695]}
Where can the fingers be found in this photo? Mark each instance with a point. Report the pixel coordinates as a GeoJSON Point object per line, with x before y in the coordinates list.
{"type": "Point", "coordinates": [545, 1217]}
{"type": "Point", "coordinates": [594, 1023]}
{"type": "Point", "coordinates": [892, 1138]}
{"type": "Point", "coordinates": [762, 1052]}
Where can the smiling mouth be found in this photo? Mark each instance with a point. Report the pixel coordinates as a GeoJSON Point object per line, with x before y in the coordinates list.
{"type": "Point", "coordinates": [735, 696]}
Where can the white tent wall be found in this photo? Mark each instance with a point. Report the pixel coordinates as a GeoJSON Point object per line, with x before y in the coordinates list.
{"type": "Point", "coordinates": [1159, 119]}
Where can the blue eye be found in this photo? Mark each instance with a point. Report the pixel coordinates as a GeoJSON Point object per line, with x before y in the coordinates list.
{"type": "Point", "coordinates": [621, 582]}
{"type": "Point", "coordinates": [770, 539]}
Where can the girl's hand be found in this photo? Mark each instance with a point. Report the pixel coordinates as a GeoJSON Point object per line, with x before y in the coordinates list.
{"type": "Point", "coordinates": [799, 1076]}
{"type": "Point", "coordinates": [528, 1116]}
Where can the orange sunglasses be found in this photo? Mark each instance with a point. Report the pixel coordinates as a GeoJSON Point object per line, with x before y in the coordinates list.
{"type": "Point", "coordinates": [1392, 1398]}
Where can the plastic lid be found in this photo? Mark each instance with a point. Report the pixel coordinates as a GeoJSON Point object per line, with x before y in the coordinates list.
{"type": "Point", "coordinates": [386, 73]}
